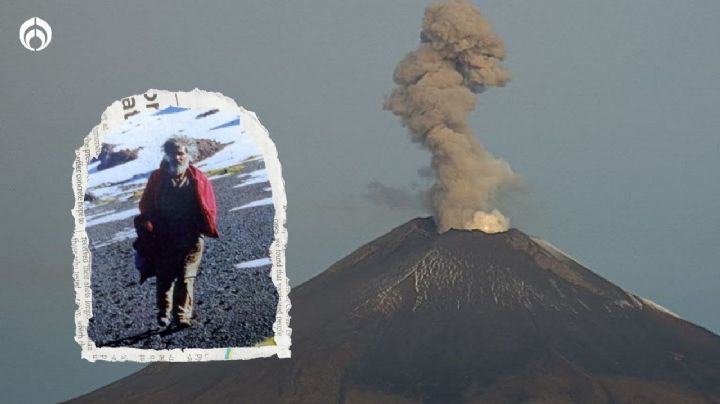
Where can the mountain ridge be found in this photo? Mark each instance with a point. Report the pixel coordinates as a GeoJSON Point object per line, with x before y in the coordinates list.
{"type": "Point", "coordinates": [463, 316]}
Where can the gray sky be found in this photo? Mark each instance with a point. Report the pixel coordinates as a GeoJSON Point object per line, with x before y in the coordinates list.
{"type": "Point", "coordinates": [610, 119]}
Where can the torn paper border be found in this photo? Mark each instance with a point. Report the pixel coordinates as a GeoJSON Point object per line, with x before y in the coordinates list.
{"type": "Point", "coordinates": [119, 113]}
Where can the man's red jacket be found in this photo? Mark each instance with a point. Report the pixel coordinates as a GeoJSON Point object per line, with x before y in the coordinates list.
{"type": "Point", "coordinates": [150, 201]}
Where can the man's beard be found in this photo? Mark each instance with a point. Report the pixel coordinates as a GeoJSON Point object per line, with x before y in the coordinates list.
{"type": "Point", "coordinates": [176, 169]}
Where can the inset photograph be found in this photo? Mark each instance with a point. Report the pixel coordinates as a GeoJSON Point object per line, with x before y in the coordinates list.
{"type": "Point", "coordinates": [180, 220]}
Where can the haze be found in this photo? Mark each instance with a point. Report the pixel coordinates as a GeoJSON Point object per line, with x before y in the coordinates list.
{"type": "Point", "coordinates": [610, 118]}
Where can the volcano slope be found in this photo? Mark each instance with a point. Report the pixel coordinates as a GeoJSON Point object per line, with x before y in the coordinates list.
{"type": "Point", "coordinates": [459, 317]}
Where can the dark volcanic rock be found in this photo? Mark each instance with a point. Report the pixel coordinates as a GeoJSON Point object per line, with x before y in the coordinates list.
{"type": "Point", "coordinates": [110, 158]}
{"type": "Point", "coordinates": [206, 148]}
{"type": "Point", "coordinates": [207, 113]}
{"type": "Point", "coordinates": [461, 317]}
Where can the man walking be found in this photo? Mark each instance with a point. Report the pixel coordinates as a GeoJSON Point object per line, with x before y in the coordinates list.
{"type": "Point", "coordinates": [179, 206]}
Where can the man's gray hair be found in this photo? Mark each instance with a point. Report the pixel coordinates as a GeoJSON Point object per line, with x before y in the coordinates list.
{"type": "Point", "coordinates": [180, 141]}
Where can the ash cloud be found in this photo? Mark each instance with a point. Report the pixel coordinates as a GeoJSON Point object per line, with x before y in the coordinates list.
{"type": "Point", "coordinates": [459, 56]}
{"type": "Point", "coordinates": [397, 198]}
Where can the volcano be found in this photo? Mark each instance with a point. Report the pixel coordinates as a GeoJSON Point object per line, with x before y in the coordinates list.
{"type": "Point", "coordinates": [459, 317]}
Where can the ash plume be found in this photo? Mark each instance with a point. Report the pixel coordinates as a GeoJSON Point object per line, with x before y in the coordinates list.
{"type": "Point", "coordinates": [459, 56]}
{"type": "Point", "coordinates": [397, 198]}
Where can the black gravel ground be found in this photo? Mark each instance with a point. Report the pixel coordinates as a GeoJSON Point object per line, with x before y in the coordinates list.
{"type": "Point", "coordinates": [233, 307]}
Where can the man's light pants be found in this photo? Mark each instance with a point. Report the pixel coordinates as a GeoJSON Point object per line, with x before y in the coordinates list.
{"type": "Point", "coordinates": [175, 282]}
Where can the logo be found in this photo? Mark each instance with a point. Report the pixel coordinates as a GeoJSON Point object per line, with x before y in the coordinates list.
{"type": "Point", "coordinates": [35, 34]}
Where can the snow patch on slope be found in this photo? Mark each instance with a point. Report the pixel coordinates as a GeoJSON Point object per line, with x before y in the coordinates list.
{"type": "Point", "coordinates": [122, 235]}
{"type": "Point", "coordinates": [255, 177]}
{"type": "Point", "coordinates": [261, 262]}
{"type": "Point", "coordinates": [657, 307]}
{"type": "Point", "coordinates": [558, 253]}
{"type": "Point", "coordinates": [124, 214]}
{"type": "Point", "coordinates": [149, 132]}
{"type": "Point", "coordinates": [259, 202]}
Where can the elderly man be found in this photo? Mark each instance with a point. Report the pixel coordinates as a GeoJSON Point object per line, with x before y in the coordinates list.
{"type": "Point", "coordinates": [179, 205]}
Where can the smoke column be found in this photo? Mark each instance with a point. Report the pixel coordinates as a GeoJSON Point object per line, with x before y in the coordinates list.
{"type": "Point", "coordinates": [459, 55]}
